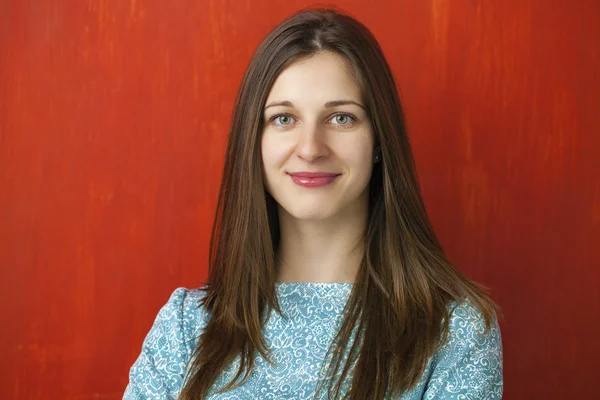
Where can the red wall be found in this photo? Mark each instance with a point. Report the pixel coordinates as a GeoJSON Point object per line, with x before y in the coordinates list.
{"type": "Point", "coordinates": [113, 122]}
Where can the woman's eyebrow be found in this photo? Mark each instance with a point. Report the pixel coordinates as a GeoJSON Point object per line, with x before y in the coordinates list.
{"type": "Point", "coordinates": [329, 104]}
{"type": "Point", "coordinates": [336, 103]}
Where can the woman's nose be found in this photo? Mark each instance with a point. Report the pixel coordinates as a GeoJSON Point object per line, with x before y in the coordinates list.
{"type": "Point", "coordinates": [311, 144]}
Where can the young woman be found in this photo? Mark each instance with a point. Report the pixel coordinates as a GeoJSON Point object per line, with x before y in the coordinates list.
{"type": "Point", "coordinates": [326, 278]}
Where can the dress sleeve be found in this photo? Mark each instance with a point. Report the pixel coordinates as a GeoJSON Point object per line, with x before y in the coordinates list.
{"type": "Point", "coordinates": [469, 365]}
{"type": "Point", "coordinates": [159, 370]}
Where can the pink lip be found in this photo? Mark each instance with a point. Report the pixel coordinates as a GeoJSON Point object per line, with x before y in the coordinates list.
{"type": "Point", "coordinates": [313, 179]}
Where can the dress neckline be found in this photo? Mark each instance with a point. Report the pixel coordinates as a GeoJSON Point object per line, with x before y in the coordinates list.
{"type": "Point", "coordinates": [312, 299]}
{"type": "Point", "coordinates": [314, 283]}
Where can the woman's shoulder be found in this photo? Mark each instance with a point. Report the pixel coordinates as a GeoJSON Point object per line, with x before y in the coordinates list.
{"type": "Point", "coordinates": [468, 328]}
{"type": "Point", "coordinates": [180, 321]}
{"type": "Point", "coordinates": [185, 299]}
{"type": "Point", "coordinates": [185, 308]}
{"type": "Point", "coordinates": [470, 360]}
{"type": "Point", "coordinates": [159, 370]}
{"type": "Point", "coordinates": [467, 318]}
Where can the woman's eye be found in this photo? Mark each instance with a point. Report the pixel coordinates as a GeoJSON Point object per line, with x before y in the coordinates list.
{"type": "Point", "coordinates": [343, 119]}
{"type": "Point", "coordinates": [283, 120]}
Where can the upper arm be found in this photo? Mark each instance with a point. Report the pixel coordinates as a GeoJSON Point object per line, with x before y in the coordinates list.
{"type": "Point", "coordinates": [469, 365]}
{"type": "Point", "coordinates": [159, 370]}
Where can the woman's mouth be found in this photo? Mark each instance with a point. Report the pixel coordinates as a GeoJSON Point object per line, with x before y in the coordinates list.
{"type": "Point", "coordinates": [313, 179]}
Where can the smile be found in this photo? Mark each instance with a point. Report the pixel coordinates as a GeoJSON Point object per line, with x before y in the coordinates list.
{"type": "Point", "coordinates": [313, 179]}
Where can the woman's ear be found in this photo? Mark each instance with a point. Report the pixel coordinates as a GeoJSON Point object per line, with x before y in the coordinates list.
{"type": "Point", "coordinates": [377, 154]}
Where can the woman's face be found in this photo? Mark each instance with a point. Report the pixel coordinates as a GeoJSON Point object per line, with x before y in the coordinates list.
{"type": "Point", "coordinates": [317, 142]}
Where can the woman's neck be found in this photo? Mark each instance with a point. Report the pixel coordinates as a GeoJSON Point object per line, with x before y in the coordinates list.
{"type": "Point", "coordinates": [320, 251]}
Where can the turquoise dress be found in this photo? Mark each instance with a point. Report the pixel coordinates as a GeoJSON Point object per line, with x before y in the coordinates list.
{"type": "Point", "coordinates": [468, 366]}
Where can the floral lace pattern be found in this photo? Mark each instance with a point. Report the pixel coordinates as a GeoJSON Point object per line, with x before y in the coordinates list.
{"type": "Point", "coordinates": [467, 367]}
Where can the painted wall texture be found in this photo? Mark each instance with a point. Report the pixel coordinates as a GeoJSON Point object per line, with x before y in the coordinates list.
{"type": "Point", "coordinates": [113, 123]}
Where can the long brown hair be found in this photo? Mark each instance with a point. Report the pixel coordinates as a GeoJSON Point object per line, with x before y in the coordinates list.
{"type": "Point", "coordinates": [405, 284]}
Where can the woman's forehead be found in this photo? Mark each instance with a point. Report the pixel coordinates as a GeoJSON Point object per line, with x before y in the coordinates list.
{"type": "Point", "coordinates": [318, 79]}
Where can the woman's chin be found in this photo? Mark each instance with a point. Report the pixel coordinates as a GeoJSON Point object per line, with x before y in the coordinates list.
{"type": "Point", "coordinates": [309, 214]}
